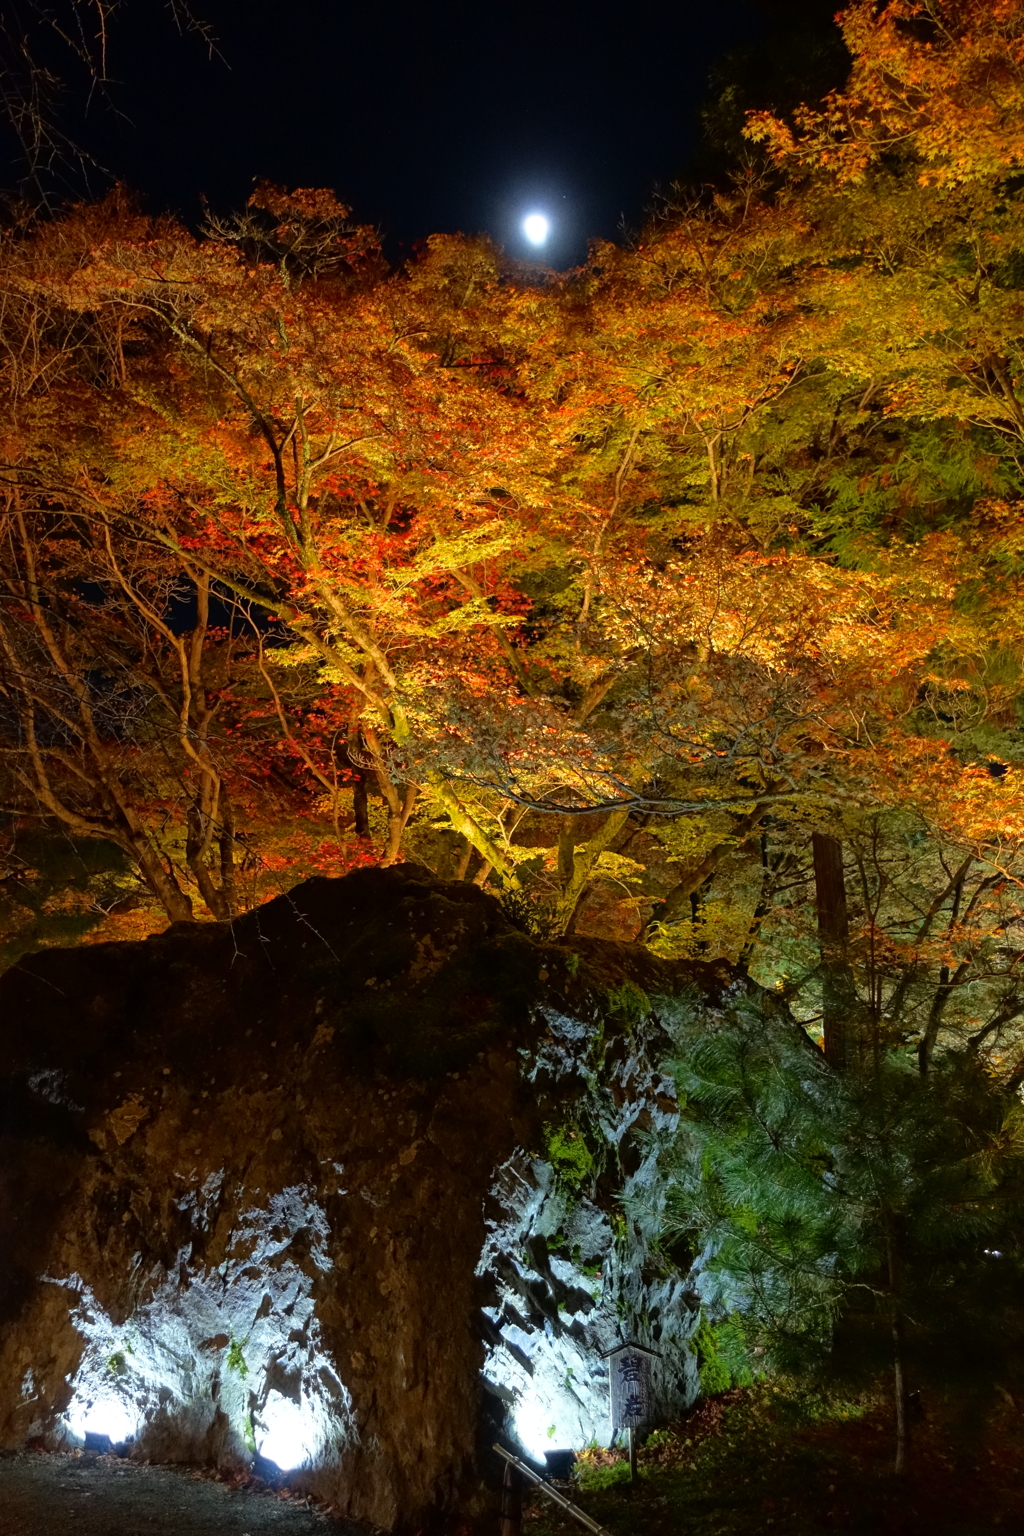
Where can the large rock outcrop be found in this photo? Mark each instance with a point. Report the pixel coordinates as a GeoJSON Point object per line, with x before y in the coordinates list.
{"type": "Point", "coordinates": [345, 1183]}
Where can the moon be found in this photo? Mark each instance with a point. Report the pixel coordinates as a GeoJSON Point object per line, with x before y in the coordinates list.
{"type": "Point", "coordinates": [536, 227]}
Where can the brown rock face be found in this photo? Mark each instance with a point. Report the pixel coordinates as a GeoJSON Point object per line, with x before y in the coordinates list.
{"type": "Point", "coordinates": [244, 1174]}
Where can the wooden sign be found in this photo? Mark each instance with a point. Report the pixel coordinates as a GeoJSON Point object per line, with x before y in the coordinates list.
{"type": "Point", "coordinates": [629, 1367]}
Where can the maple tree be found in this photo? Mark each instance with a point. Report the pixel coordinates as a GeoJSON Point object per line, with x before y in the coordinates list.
{"type": "Point", "coordinates": [939, 80]}
{"type": "Point", "coordinates": [227, 460]}
{"type": "Point", "coordinates": [622, 590]}
{"type": "Point", "coordinates": [140, 707]}
{"type": "Point", "coordinates": [137, 712]}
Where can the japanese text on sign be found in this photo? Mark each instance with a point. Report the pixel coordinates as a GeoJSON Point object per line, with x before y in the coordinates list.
{"type": "Point", "coordinates": [630, 1388]}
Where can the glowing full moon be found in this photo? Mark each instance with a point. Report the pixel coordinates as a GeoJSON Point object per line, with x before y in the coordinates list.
{"type": "Point", "coordinates": [535, 228]}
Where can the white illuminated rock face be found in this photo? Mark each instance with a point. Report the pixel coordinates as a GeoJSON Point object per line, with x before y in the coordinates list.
{"type": "Point", "coordinates": [569, 1287]}
{"type": "Point", "coordinates": [230, 1359]}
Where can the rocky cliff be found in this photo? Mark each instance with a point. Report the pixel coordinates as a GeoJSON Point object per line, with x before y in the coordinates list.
{"type": "Point", "coordinates": [345, 1185]}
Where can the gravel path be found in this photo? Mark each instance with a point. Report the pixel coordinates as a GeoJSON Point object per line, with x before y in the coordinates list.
{"type": "Point", "coordinates": [101, 1496]}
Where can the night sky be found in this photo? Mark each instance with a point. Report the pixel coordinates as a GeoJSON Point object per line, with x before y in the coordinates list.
{"type": "Point", "coordinates": [452, 116]}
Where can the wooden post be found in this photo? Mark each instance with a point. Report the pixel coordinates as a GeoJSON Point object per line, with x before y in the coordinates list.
{"type": "Point", "coordinates": [511, 1502]}
{"type": "Point", "coordinates": [840, 1006]}
{"type": "Point", "coordinates": [632, 1454]}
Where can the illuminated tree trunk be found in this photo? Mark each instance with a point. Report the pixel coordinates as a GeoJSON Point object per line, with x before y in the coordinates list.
{"type": "Point", "coordinates": [894, 1268]}
{"type": "Point", "coordinates": [846, 1024]}
{"type": "Point", "coordinates": [575, 868]}
{"type": "Point", "coordinates": [161, 879]}
{"type": "Point", "coordinates": [228, 885]}
{"type": "Point", "coordinates": [360, 803]}
{"type": "Point", "coordinates": [841, 1009]}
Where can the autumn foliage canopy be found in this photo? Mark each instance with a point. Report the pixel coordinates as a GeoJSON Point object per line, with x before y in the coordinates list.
{"type": "Point", "coordinates": [648, 593]}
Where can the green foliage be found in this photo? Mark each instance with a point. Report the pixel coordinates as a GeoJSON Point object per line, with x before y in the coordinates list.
{"type": "Point", "coordinates": [236, 1359]}
{"type": "Point", "coordinates": [594, 1477]}
{"type": "Point", "coordinates": [629, 1002]}
{"type": "Point", "coordinates": [722, 1355]}
{"type": "Point", "coordinates": [523, 913]}
{"type": "Point", "coordinates": [568, 1154]}
{"type": "Point", "coordinates": [831, 1208]}
{"type": "Point", "coordinates": [619, 1226]}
